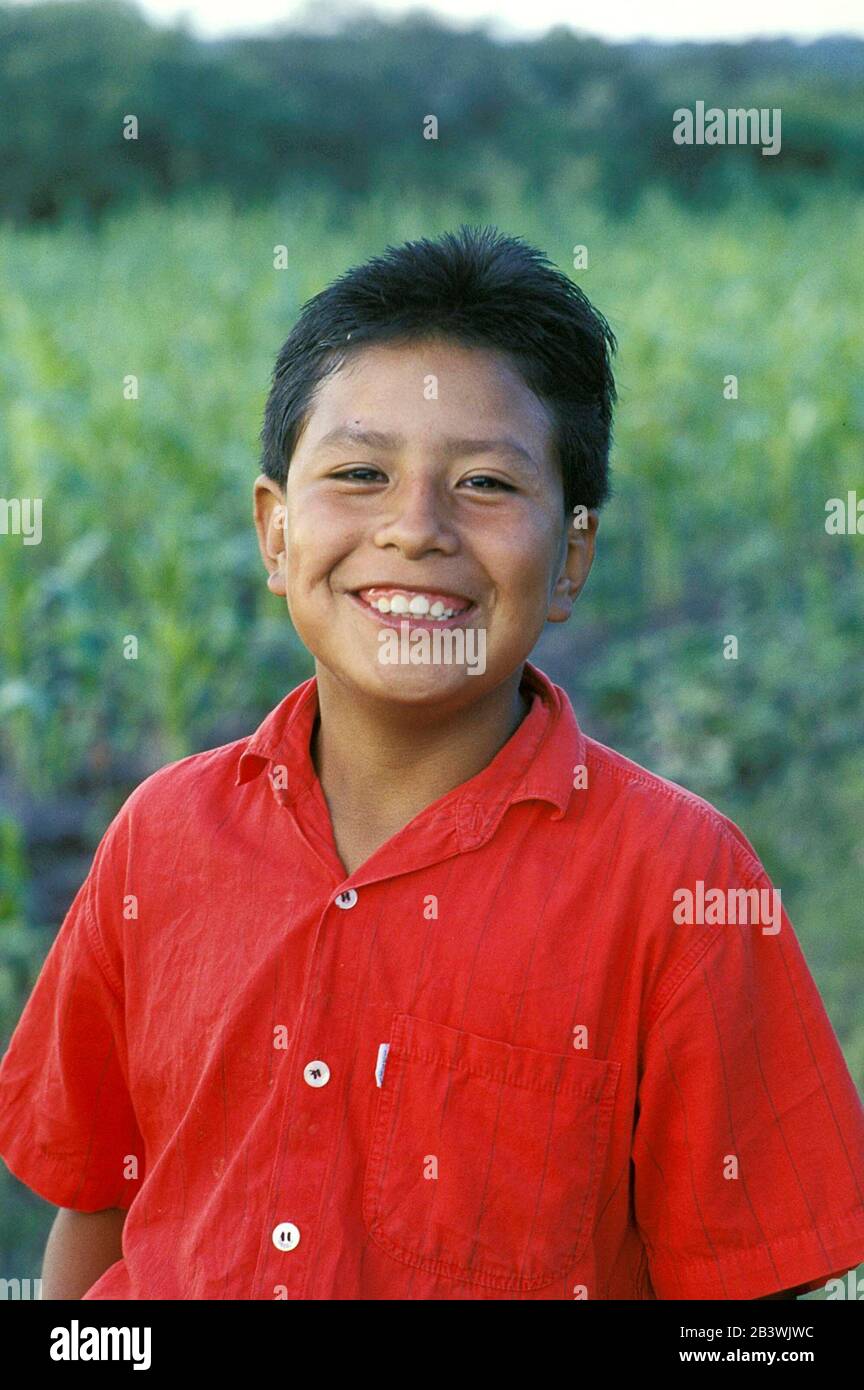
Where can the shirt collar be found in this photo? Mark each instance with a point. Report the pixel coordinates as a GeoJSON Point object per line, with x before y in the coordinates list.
{"type": "Point", "coordinates": [536, 763]}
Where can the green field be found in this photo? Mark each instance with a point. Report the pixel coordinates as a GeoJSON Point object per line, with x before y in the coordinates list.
{"type": "Point", "coordinates": [716, 526]}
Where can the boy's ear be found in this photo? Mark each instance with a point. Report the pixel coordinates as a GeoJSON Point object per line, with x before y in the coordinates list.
{"type": "Point", "coordinates": [268, 502]}
{"type": "Point", "coordinates": [576, 564]}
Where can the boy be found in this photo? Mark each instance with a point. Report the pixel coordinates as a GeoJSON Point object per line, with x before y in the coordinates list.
{"type": "Point", "coordinates": [419, 992]}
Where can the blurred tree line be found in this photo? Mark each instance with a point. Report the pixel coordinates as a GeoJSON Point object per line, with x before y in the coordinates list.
{"type": "Point", "coordinates": [343, 110]}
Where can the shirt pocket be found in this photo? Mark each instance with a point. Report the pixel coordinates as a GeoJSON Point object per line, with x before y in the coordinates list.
{"type": "Point", "coordinates": [486, 1159]}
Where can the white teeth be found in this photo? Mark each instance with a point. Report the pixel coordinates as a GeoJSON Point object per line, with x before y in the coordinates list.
{"type": "Point", "coordinates": [418, 606]}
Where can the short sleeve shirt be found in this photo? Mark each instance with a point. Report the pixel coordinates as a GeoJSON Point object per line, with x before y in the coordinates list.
{"type": "Point", "coordinates": [555, 1039]}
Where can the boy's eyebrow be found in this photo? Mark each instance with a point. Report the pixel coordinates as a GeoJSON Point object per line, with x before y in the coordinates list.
{"type": "Point", "coordinates": [455, 448]}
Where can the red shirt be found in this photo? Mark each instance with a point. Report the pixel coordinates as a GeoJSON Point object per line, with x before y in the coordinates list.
{"type": "Point", "coordinates": [583, 1095]}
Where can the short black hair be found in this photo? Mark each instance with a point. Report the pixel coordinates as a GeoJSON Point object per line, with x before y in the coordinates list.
{"type": "Point", "coordinates": [479, 288]}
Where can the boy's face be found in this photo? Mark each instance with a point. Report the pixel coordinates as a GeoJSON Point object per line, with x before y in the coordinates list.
{"type": "Point", "coordinates": [424, 471]}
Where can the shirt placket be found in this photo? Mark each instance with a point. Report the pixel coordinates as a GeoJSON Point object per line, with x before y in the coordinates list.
{"type": "Point", "coordinates": [313, 1103]}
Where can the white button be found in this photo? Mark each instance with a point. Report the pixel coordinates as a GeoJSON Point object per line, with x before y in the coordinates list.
{"type": "Point", "coordinates": [346, 899]}
{"type": "Point", "coordinates": [316, 1073]}
{"type": "Point", "coordinates": [286, 1236]}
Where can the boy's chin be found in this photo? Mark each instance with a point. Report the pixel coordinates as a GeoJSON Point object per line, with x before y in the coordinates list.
{"type": "Point", "coordinates": [410, 685]}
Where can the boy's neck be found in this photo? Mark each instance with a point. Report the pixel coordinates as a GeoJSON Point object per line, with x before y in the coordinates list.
{"type": "Point", "coordinates": [387, 765]}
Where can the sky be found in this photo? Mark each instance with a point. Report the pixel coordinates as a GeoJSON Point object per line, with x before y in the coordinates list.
{"type": "Point", "coordinates": [614, 19]}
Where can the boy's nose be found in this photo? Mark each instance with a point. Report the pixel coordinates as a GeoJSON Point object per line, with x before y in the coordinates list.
{"type": "Point", "coordinates": [416, 519]}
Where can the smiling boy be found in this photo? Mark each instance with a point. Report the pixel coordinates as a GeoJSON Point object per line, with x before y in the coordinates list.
{"type": "Point", "coordinates": [388, 1000]}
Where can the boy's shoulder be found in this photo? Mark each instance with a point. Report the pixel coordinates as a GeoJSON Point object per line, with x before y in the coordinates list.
{"type": "Point", "coordinates": [671, 820]}
{"type": "Point", "coordinates": [178, 791]}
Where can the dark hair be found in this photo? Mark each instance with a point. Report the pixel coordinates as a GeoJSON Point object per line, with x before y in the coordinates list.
{"type": "Point", "coordinates": [479, 288]}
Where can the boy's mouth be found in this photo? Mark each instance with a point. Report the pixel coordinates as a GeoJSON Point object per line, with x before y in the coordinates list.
{"type": "Point", "coordinates": [419, 607]}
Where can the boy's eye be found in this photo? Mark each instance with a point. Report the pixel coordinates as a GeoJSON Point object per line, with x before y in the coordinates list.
{"type": "Point", "coordinates": [351, 473]}
{"type": "Point", "coordinates": [487, 478]}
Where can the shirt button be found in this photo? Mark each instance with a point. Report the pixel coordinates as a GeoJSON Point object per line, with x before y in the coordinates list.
{"type": "Point", "coordinates": [316, 1073]}
{"type": "Point", "coordinates": [286, 1236]}
{"type": "Point", "coordinates": [347, 898]}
